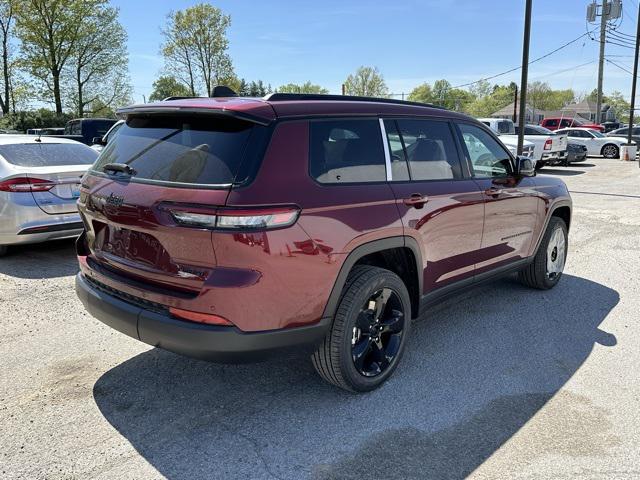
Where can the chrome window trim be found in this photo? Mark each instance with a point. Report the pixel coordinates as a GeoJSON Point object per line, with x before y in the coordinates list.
{"type": "Point", "coordinates": [385, 146]}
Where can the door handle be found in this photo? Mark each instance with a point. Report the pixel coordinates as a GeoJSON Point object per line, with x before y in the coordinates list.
{"type": "Point", "coordinates": [493, 191]}
{"type": "Point", "coordinates": [416, 200]}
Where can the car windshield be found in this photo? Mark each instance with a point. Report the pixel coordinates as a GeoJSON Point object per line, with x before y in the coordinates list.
{"type": "Point", "coordinates": [596, 133]}
{"type": "Point", "coordinates": [47, 154]}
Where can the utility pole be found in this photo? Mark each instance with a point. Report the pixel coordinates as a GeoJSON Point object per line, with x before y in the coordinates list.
{"type": "Point", "coordinates": [633, 82]}
{"type": "Point", "coordinates": [515, 102]}
{"type": "Point", "coordinates": [525, 73]}
{"type": "Point", "coordinates": [604, 15]}
{"type": "Point", "coordinates": [343, 88]}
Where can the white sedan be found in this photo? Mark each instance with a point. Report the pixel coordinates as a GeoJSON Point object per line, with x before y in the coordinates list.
{"type": "Point", "coordinates": [597, 143]}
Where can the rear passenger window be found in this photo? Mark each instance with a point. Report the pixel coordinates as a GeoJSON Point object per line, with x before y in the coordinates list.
{"type": "Point", "coordinates": [430, 150]}
{"type": "Point", "coordinates": [344, 151]}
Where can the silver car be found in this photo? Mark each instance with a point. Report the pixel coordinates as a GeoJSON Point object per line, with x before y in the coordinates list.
{"type": "Point", "coordinates": [39, 185]}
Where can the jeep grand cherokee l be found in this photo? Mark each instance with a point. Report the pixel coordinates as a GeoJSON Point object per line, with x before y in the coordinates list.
{"type": "Point", "coordinates": [231, 229]}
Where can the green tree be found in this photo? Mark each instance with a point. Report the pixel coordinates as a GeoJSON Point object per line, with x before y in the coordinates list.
{"type": "Point", "coordinates": [168, 86]}
{"type": "Point", "coordinates": [442, 94]}
{"type": "Point", "coordinates": [366, 82]}
{"type": "Point", "coordinates": [306, 87]}
{"type": "Point", "coordinates": [422, 93]}
{"type": "Point", "coordinates": [7, 20]}
{"type": "Point", "coordinates": [49, 31]}
{"type": "Point", "coordinates": [97, 70]}
{"type": "Point", "coordinates": [259, 89]}
{"type": "Point", "coordinates": [195, 46]}
{"type": "Point", "coordinates": [501, 96]}
{"type": "Point", "coordinates": [618, 104]}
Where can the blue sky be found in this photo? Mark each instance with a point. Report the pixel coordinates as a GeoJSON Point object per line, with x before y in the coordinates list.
{"type": "Point", "coordinates": [410, 41]}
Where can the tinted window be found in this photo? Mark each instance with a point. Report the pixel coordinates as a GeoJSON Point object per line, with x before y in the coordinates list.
{"type": "Point", "coordinates": [399, 168]}
{"type": "Point", "coordinates": [96, 128]}
{"type": "Point", "coordinates": [551, 123]}
{"type": "Point", "coordinates": [182, 149]}
{"type": "Point", "coordinates": [112, 133]}
{"type": "Point", "coordinates": [430, 150]}
{"type": "Point", "coordinates": [48, 154]}
{"type": "Point", "coordinates": [342, 151]}
{"type": "Point", "coordinates": [488, 157]}
{"type": "Point", "coordinates": [504, 127]}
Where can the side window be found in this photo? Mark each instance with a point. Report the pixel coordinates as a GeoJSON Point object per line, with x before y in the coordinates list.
{"type": "Point", "coordinates": [488, 157]}
{"type": "Point", "coordinates": [430, 150]}
{"type": "Point", "coordinates": [113, 132]}
{"type": "Point", "coordinates": [343, 151]}
{"type": "Point", "coordinates": [399, 169]}
{"type": "Point", "coordinates": [551, 123]}
{"type": "Point", "coordinates": [565, 123]}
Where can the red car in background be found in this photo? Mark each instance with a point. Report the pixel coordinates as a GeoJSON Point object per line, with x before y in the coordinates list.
{"type": "Point", "coordinates": [554, 123]}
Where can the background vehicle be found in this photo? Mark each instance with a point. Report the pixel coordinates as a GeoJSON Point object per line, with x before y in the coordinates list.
{"type": "Point", "coordinates": [100, 142]}
{"type": "Point", "coordinates": [554, 148]}
{"type": "Point", "coordinates": [624, 132]}
{"type": "Point", "coordinates": [548, 147]}
{"type": "Point", "coordinates": [610, 126]}
{"type": "Point", "coordinates": [46, 131]}
{"type": "Point", "coordinates": [597, 143]}
{"type": "Point", "coordinates": [576, 153]}
{"type": "Point", "coordinates": [39, 187]}
{"type": "Point", "coordinates": [228, 229]}
{"type": "Point", "coordinates": [85, 130]}
{"type": "Point", "coordinates": [555, 123]}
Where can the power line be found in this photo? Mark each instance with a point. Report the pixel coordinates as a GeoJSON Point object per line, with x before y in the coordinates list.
{"type": "Point", "coordinates": [619, 66]}
{"type": "Point", "coordinates": [532, 61]}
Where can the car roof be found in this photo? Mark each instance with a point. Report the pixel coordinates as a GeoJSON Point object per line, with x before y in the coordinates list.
{"type": "Point", "coordinates": [265, 110]}
{"type": "Point", "coordinates": [13, 139]}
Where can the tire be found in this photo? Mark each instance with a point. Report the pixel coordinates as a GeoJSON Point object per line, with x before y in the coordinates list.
{"type": "Point", "coordinates": [538, 274]}
{"type": "Point", "coordinates": [610, 151]}
{"type": "Point", "coordinates": [355, 329]}
{"type": "Point", "coordinates": [3, 250]}
{"type": "Point", "coordinates": [539, 165]}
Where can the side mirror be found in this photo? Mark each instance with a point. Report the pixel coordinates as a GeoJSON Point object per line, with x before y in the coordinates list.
{"type": "Point", "coordinates": [98, 141]}
{"type": "Point", "coordinates": [525, 167]}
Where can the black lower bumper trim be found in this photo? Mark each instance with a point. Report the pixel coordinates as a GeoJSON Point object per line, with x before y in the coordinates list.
{"type": "Point", "coordinates": [58, 227]}
{"type": "Point", "coordinates": [207, 342]}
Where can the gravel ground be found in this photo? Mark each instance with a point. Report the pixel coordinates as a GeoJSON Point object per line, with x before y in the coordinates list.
{"type": "Point", "coordinates": [502, 382]}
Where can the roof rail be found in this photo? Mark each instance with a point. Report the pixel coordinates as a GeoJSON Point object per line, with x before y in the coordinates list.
{"type": "Point", "coordinates": [283, 97]}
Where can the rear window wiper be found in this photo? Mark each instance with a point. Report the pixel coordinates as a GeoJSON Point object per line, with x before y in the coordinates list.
{"type": "Point", "coordinates": [119, 167]}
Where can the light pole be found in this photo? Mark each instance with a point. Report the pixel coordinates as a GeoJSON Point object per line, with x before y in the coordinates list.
{"type": "Point", "coordinates": [525, 73]}
{"type": "Point", "coordinates": [633, 82]}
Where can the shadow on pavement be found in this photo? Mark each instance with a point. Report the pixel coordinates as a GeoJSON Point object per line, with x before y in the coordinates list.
{"type": "Point", "coordinates": [52, 259]}
{"type": "Point", "coordinates": [562, 173]}
{"type": "Point", "coordinates": [479, 368]}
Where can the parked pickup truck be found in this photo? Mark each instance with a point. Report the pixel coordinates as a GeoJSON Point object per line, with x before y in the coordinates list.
{"type": "Point", "coordinates": [549, 148]}
{"type": "Point", "coordinates": [87, 130]}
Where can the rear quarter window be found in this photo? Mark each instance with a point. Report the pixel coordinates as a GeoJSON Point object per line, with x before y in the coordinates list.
{"type": "Point", "coordinates": [346, 151]}
{"type": "Point", "coordinates": [184, 149]}
{"type": "Point", "coordinates": [47, 154]}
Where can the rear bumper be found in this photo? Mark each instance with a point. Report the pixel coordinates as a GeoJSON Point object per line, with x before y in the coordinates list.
{"type": "Point", "coordinates": [206, 342]}
{"type": "Point", "coordinates": [554, 158]}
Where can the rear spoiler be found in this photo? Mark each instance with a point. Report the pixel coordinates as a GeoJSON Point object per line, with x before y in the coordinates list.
{"type": "Point", "coordinates": [158, 109]}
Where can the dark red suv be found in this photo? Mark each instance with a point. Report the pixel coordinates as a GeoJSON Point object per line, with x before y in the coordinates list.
{"type": "Point", "coordinates": [230, 228]}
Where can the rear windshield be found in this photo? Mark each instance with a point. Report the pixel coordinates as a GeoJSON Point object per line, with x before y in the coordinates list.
{"type": "Point", "coordinates": [179, 148]}
{"type": "Point", "coordinates": [47, 154]}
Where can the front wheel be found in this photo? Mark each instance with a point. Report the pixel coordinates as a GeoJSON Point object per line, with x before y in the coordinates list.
{"type": "Point", "coordinates": [548, 264]}
{"type": "Point", "coordinates": [610, 151]}
{"type": "Point", "coordinates": [369, 331]}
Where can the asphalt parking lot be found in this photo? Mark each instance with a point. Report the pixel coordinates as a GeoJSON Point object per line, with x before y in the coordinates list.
{"type": "Point", "coordinates": [502, 382]}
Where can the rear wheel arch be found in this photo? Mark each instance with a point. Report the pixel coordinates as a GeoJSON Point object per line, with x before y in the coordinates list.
{"type": "Point", "coordinates": [564, 212]}
{"type": "Point", "coordinates": [400, 255]}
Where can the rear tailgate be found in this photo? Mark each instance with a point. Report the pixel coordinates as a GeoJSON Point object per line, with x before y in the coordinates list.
{"type": "Point", "coordinates": [559, 142]}
{"type": "Point", "coordinates": [146, 201]}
